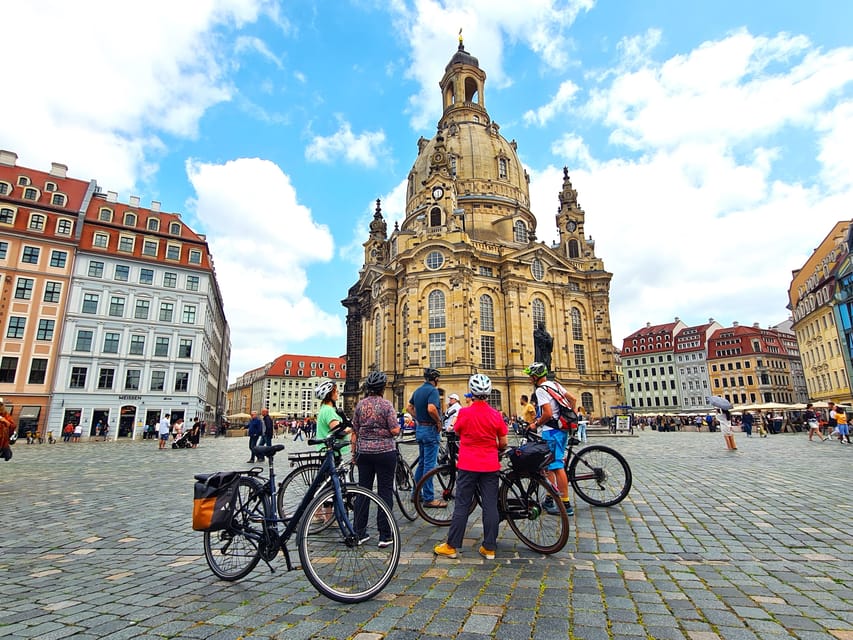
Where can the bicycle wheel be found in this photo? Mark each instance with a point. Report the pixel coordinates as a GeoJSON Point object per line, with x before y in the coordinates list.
{"type": "Point", "coordinates": [335, 563]}
{"type": "Point", "coordinates": [521, 502]}
{"type": "Point", "coordinates": [443, 480]}
{"type": "Point", "coordinates": [232, 553]}
{"type": "Point", "coordinates": [294, 487]}
{"type": "Point", "coordinates": [600, 475]}
{"type": "Point", "coordinates": [404, 484]}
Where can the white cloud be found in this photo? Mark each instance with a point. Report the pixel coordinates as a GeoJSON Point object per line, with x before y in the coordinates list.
{"type": "Point", "coordinates": [262, 240]}
{"type": "Point", "coordinates": [364, 149]}
{"type": "Point", "coordinates": [255, 44]}
{"type": "Point", "coordinates": [105, 80]}
{"type": "Point", "coordinates": [558, 104]}
{"type": "Point", "coordinates": [836, 141]}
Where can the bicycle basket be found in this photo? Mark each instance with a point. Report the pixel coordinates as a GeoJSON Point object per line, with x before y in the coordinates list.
{"type": "Point", "coordinates": [214, 499]}
{"type": "Point", "coordinates": [530, 457]}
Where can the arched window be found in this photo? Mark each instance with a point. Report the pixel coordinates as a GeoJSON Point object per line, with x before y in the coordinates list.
{"type": "Point", "coordinates": [574, 249]}
{"type": "Point", "coordinates": [377, 339]}
{"type": "Point", "coordinates": [436, 310]}
{"type": "Point", "coordinates": [538, 311]}
{"type": "Point", "coordinates": [520, 231]}
{"type": "Point", "coordinates": [577, 329]}
{"type": "Point", "coordinates": [435, 217]}
{"type": "Point", "coordinates": [586, 403]}
{"type": "Point", "coordinates": [487, 313]}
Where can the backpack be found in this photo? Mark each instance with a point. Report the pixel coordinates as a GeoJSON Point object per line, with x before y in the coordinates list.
{"type": "Point", "coordinates": [568, 419]}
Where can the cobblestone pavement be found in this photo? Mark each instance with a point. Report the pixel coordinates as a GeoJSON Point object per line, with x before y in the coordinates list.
{"type": "Point", "coordinates": [97, 543]}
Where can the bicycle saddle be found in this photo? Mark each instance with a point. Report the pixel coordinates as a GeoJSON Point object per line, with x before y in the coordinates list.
{"type": "Point", "coordinates": [265, 451]}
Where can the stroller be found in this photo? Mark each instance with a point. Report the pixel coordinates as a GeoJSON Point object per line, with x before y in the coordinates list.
{"type": "Point", "coordinates": [182, 441]}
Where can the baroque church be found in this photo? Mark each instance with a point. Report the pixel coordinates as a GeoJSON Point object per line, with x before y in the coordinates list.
{"type": "Point", "coordinates": [462, 284]}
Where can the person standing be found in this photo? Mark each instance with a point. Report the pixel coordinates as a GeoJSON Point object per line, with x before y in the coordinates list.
{"type": "Point", "coordinates": [528, 411]}
{"type": "Point", "coordinates": [7, 428]}
{"type": "Point", "coordinates": [327, 417]}
{"type": "Point", "coordinates": [256, 431]}
{"type": "Point", "coordinates": [268, 427]}
{"type": "Point", "coordinates": [841, 425]}
{"type": "Point", "coordinates": [163, 431]}
{"type": "Point", "coordinates": [813, 422]}
{"type": "Point", "coordinates": [67, 432]}
{"type": "Point", "coordinates": [746, 423]}
{"type": "Point", "coordinates": [423, 405]}
{"type": "Point", "coordinates": [374, 427]}
{"type": "Point", "coordinates": [725, 420]}
{"type": "Point", "coordinates": [482, 435]}
{"type": "Point", "coordinates": [583, 422]}
{"type": "Point", "coordinates": [546, 420]}
{"type": "Point", "coordinates": [453, 408]}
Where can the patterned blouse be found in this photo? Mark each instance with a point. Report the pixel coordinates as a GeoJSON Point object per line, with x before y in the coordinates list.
{"type": "Point", "coordinates": [373, 420]}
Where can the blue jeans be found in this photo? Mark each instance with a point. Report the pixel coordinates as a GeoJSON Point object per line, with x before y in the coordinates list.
{"type": "Point", "coordinates": [582, 430]}
{"type": "Point", "coordinates": [428, 438]}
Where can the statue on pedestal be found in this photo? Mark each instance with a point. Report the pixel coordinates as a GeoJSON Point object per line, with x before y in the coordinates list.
{"type": "Point", "coordinates": [543, 343]}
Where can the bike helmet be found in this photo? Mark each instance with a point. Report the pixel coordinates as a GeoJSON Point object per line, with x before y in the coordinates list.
{"type": "Point", "coordinates": [323, 389]}
{"type": "Point", "coordinates": [376, 381]}
{"type": "Point", "coordinates": [537, 370]}
{"type": "Point", "coordinates": [480, 385]}
{"type": "Point", "coordinates": [431, 374]}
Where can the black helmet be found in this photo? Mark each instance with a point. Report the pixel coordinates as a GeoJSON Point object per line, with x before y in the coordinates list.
{"type": "Point", "coordinates": [537, 370]}
{"type": "Point", "coordinates": [376, 381]}
{"type": "Point", "coordinates": [431, 374]}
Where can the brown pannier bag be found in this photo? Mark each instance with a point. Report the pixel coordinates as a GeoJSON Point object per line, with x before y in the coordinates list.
{"type": "Point", "coordinates": [214, 499]}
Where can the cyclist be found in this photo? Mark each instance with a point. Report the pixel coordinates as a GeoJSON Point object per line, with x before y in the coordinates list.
{"type": "Point", "coordinates": [482, 433]}
{"type": "Point", "coordinates": [374, 426]}
{"type": "Point", "coordinates": [547, 412]}
{"type": "Point", "coordinates": [327, 417]}
{"type": "Point", "coordinates": [452, 411]}
{"type": "Point", "coordinates": [424, 405]}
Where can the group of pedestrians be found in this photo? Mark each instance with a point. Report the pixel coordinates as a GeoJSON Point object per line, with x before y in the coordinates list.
{"type": "Point", "coordinates": [261, 430]}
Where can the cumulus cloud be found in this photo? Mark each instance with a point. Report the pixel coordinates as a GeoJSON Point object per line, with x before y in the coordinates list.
{"type": "Point", "coordinates": [558, 104]}
{"type": "Point", "coordinates": [263, 241]}
{"type": "Point", "coordinates": [365, 148]}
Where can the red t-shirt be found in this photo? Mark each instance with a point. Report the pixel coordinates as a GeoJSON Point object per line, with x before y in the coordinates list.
{"type": "Point", "coordinates": [479, 427]}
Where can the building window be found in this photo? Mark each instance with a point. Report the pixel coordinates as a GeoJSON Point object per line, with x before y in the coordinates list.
{"type": "Point", "coordinates": [31, 194]}
{"type": "Point", "coordinates": [137, 345]}
{"type": "Point", "coordinates": [161, 347]}
{"type": "Point", "coordinates": [158, 380]}
{"type": "Point", "coordinates": [24, 289]}
{"type": "Point", "coordinates": [105, 378]}
{"type": "Point", "coordinates": [487, 313]}
{"type": "Point", "coordinates": [434, 260]}
{"type": "Point", "coordinates": [486, 271]}
{"type": "Point", "coordinates": [8, 367]}
{"type": "Point", "coordinates": [100, 240]}
{"type": "Point", "coordinates": [195, 257]}
{"type": "Point", "coordinates": [146, 276]}
{"type": "Point", "coordinates": [149, 248]}
{"type": "Point", "coordinates": [173, 252]}
{"type": "Point", "coordinates": [436, 310]}
{"type": "Point", "coordinates": [192, 283]}
{"type": "Point", "coordinates": [78, 377]}
{"type": "Point", "coordinates": [58, 259]}
{"type": "Point", "coordinates": [38, 371]}
{"type": "Point", "coordinates": [170, 279]}
{"type": "Point", "coordinates": [64, 227]}
{"type": "Point", "coordinates": [153, 224]}
{"type": "Point", "coordinates": [131, 380]}
{"type": "Point", "coordinates": [182, 381]}
{"type": "Point", "coordinates": [111, 342]}
{"type": "Point", "coordinates": [126, 244]}
{"type": "Point", "coordinates": [142, 309]}
{"type": "Point", "coordinates": [574, 249]}
{"type": "Point", "coordinates": [580, 358]}
{"type": "Point", "coordinates": [189, 314]}
{"type": "Point", "coordinates": [5, 188]}
{"type": "Point", "coordinates": [538, 312]}
{"type": "Point", "coordinates": [502, 168]}
{"type": "Point", "coordinates": [122, 273]}
{"type": "Point", "coordinates": [487, 352]}
{"type": "Point", "coordinates": [84, 340]}
{"type": "Point", "coordinates": [90, 303]}
{"type": "Point", "coordinates": [58, 200]}
{"type": "Point", "coordinates": [437, 350]}
{"type": "Point", "coordinates": [96, 269]}
{"type": "Point", "coordinates": [52, 291]}
{"type": "Point", "coordinates": [50, 186]}
{"type": "Point", "coordinates": [31, 255]}
{"type": "Point", "coordinates": [537, 269]}
{"type": "Point", "coordinates": [105, 215]}
{"type": "Point", "coordinates": [16, 327]}
{"type": "Point", "coordinates": [167, 310]}
{"type": "Point", "coordinates": [117, 306]}
{"type": "Point", "coordinates": [45, 330]}
{"type": "Point", "coordinates": [130, 219]}
{"type": "Point", "coordinates": [520, 231]}
{"type": "Point", "coordinates": [4, 249]}
{"type": "Point", "coordinates": [185, 348]}
{"type": "Point", "coordinates": [577, 328]}
{"type": "Point", "coordinates": [23, 181]}
{"type": "Point", "coordinates": [175, 228]}
{"type": "Point", "coordinates": [7, 216]}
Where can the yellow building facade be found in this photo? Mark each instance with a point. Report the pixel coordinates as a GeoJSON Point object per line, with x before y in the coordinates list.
{"type": "Point", "coordinates": [462, 283]}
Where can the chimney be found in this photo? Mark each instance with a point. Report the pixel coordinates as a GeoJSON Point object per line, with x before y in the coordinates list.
{"type": "Point", "coordinates": [155, 206]}
{"type": "Point", "coordinates": [112, 196]}
{"type": "Point", "coordinates": [134, 201]}
{"type": "Point", "coordinates": [734, 324]}
{"type": "Point", "coordinates": [677, 319]}
{"type": "Point", "coordinates": [755, 325]}
{"type": "Point", "coordinates": [59, 170]}
{"type": "Point", "coordinates": [648, 324]}
{"type": "Point", "coordinates": [9, 158]}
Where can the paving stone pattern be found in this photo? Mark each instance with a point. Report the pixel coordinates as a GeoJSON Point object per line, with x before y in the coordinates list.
{"type": "Point", "coordinates": [710, 544]}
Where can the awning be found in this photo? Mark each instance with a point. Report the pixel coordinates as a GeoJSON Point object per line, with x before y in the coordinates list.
{"type": "Point", "coordinates": [29, 413]}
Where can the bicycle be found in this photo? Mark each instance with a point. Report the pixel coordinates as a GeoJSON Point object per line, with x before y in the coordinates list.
{"type": "Point", "coordinates": [521, 502]}
{"type": "Point", "coordinates": [332, 551]}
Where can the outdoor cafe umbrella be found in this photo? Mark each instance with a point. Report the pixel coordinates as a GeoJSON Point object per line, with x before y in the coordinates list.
{"type": "Point", "coordinates": [238, 416]}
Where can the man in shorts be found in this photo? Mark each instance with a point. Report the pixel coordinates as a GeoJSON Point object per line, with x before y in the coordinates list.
{"type": "Point", "coordinates": [164, 431]}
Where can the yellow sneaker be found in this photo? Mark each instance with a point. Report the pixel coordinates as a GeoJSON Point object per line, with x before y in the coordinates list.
{"type": "Point", "coordinates": [445, 550]}
{"type": "Point", "coordinates": [488, 554]}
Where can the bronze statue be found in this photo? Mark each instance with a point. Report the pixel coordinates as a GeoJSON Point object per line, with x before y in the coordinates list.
{"type": "Point", "coordinates": [542, 343]}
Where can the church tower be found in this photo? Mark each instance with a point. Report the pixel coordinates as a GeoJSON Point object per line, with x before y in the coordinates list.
{"type": "Point", "coordinates": [461, 285]}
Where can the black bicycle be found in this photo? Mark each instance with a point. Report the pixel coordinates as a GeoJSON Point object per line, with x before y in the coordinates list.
{"type": "Point", "coordinates": [330, 525]}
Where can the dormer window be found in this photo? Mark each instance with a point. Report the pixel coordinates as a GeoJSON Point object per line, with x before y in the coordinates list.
{"type": "Point", "coordinates": [31, 194]}
{"type": "Point", "coordinates": [37, 222]}
{"type": "Point", "coordinates": [58, 200]}
{"type": "Point", "coordinates": [23, 181]}
{"type": "Point", "coordinates": [175, 228]}
{"type": "Point", "coordinates": [153, 224]}
{"type": "Point", "coordinates": [105, 215]}
{"type": "Point", "coordinates": [7, 216]}
{"type": "Point", "coordinates": [5, 188]}
{"type": "Point", "coordinates": [50, 186]}
{"type": "Point", "coordinates": [130, 219]}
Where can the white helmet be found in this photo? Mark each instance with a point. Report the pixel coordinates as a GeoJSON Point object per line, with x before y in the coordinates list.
{"type": "Point", "coordinates": [480, 385]}
{"type": "Point", "coordinates": [323, 389]}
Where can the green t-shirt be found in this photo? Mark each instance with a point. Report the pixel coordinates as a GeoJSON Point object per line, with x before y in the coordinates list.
{"type": "Point", "coordinates": [326, 415]}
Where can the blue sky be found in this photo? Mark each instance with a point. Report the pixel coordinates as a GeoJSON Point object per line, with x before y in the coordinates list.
{"type": "Point", "coordinates": [709, 142]}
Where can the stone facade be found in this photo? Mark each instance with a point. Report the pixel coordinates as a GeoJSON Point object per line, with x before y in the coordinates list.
{"type": "Point", "coordinates": [461, 284]}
